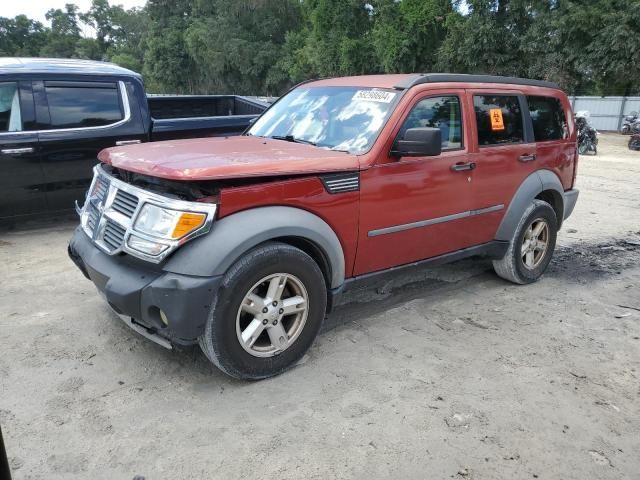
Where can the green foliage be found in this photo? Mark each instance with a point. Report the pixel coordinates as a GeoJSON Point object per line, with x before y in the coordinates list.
{"type": "Point", "coordinates": [265, 46]}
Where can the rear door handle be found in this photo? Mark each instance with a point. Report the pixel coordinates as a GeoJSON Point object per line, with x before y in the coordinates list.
{"type": "Point", "coordinates": [120, 143]}
{"type": "Point", "coordinates": [17, 151]}
{"type": "Point", "coordinates": [527, 158]}
{"type": "Point", "coordinates": [462, 167]}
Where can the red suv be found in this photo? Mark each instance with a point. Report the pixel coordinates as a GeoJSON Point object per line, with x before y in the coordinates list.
{"type": "Point", "coordinates": [242, 244]}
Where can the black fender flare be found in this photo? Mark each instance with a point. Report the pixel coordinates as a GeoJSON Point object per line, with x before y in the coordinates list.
{"type": "Point", "coordinates": [212, 254]}
{"type": "Point", "coordinates": [530, 188]}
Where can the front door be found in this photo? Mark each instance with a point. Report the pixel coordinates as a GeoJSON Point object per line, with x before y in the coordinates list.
{"type": "Point", "coordinates": [413, 208]}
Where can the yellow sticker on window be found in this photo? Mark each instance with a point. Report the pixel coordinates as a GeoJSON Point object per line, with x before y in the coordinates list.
{"type": "Point", "coordinates": [496, 119]}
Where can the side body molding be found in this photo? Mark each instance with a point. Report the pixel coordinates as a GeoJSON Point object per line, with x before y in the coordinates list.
{"type": "Point", "coordinates": [213, 253]}
{"type": "Point", "coordinates": [533, 185]}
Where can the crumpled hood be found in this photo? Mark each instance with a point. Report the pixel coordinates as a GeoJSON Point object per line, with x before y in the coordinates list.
{"type": "Point", "coordinates": [229, 157]}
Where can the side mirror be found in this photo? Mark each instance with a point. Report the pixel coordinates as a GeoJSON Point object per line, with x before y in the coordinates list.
{"type": "Point", "coordinates": [419, 142]}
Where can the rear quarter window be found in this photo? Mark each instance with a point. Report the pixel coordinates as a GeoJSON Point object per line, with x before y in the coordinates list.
{"type": "Point", "coordinates": [499, 119]}
{"type": "Point", "coordinates": [83, 105]}
{"type": "Point", "coordinates": [548, 118]}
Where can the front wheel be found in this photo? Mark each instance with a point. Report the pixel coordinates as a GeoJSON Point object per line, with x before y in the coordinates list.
{"type": "Point", "coordinates": [532, 246]}
{"type": "Point", "coordinates": [267, 313]}
{"type": "Point", "coordinates": [626, 130]}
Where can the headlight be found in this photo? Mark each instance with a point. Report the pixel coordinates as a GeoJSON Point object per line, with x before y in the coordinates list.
{"type": "Point", "coordinates": [166, 223]}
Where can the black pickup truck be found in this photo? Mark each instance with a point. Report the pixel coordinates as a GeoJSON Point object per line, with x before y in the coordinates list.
{"type": "Point", "coordinates": [56, 115]}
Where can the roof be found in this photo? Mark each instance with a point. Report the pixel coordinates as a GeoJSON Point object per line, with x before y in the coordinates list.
{"type": "Point", "coordinates": [61, 65]}
{"type": "Point", "coordinates": [407, 80]}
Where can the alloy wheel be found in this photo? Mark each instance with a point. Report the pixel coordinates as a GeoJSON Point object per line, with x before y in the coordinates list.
{"type": "Point", "coordinates": [272, 315]}
{"type": "Point", "coordinates": [535, 243]}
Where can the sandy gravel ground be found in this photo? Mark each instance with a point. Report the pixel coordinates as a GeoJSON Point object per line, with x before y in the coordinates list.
{"type": "Point", "coordinates": [446, 373]}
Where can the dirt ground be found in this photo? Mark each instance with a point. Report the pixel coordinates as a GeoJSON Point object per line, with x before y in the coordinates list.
{"type": "Point", "coordinates": [445, 373]}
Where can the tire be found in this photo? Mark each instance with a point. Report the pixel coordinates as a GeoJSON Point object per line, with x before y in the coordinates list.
{"type": "Point", "coordinates": [626, 130]}
{"type": "Point", "coordinates": [228, 323]}
{"type": "Point", "coordinates": [512, 266]}
{"type": "Point", "coordinates": [583, 148]}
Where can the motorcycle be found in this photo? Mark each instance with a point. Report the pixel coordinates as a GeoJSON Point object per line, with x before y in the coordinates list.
{"type": "Point", "coordinates": [634, 142]}
{"type": "Point", "coordinates": [587, 135]}
{"type": "Point", "coordinates": [631, 123]}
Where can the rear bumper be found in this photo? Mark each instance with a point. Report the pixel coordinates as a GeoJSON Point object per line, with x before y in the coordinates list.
{"type": "Point", "coordinates": [570, 199]}
{"type": "Point", "coordinates": [139, 291]}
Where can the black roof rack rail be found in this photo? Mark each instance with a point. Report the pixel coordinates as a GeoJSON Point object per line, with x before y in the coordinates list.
{"type": "Point", "coordinates": [420, 78]}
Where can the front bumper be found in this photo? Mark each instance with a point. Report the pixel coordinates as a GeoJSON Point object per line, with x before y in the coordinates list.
{"type": "Point", "coordinates": [139, 291]}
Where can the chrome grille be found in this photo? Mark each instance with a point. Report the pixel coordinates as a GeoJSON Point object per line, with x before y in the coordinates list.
{"type": "Point", "coordinates": [125, 203]}
{"type": "Point", "coordinates": [92, 219]}
{"type": "Point", "coordinates": [100, 189]}
{"type": "Point", "coordinates": [109, 214]}
{"type": "Point", "coordinates": [113, 235]}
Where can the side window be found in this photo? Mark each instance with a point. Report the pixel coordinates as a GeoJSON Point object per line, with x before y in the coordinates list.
{"type": "Point", "coordinates": [10, 116]}
{"type": "Point", "coordinates": [82, 104]}
{"type": "Point", "coordinates": [438, 112]}
{"type": "Point", "coordinates": [547, 116]}
{"type": "Point", "coordinates": [499, 119]}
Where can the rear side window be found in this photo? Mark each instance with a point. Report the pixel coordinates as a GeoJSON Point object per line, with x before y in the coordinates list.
{"type": "Point", "coordinates": [547, 116]}
{"type": "Point", "coordinates": [499, 119]}
{"type": "Point", "coordinates": [10, 117]}
{"type": "Point", "coordinates": [438, 112]}
{"type": "Point", "coordinates": [82, 104]}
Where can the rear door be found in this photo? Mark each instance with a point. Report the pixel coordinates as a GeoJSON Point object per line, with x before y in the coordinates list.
{"type": "Point", "coordinates": [80, 118]}
{"type": "Point", "coordinates": [21, 191]}
{"type": "Point", "coordinates": [504, 153]}
{"type": "Point", "coordinates": [555, 150]}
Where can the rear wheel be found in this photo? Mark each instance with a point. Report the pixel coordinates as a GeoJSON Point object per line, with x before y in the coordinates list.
{"type": "Point", "coordinates": [584, 147]}
{"type": "Point", "coordinates": [267, 312]}
{"type": "Point", "coordinates": [531, 247]}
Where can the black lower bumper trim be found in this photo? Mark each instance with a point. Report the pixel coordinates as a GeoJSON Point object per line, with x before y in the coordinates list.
{"type": "Point", "coordinates": [146, 293]}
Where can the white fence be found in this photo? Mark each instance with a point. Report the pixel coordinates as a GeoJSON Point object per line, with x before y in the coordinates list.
{"type": "Point", "coordinates": [607, 113]}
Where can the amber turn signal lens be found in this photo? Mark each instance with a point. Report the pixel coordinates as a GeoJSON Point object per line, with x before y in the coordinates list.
{"type": "Point", "coordinates": [187, 223]}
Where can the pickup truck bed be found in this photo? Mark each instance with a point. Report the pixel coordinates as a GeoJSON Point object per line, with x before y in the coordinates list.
{"type": "Point", "coordinates": [189, 116]}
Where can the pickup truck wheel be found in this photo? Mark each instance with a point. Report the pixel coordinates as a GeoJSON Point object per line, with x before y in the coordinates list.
{"type": "Point", "coordinates": [267, 312]}
{"type": "Point", "coordinates": [531, 247]}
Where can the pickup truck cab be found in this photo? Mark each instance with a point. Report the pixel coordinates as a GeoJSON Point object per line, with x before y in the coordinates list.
{"type": "Point", "coordinates": [56, 115]}
{"type": "Point", "coordinates": [243, 244]}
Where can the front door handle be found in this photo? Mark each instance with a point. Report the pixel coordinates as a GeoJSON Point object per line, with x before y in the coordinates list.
{"type": "Point", "coordinates": [462, 167]}
{"type": "Point", "coordinates": [17, 151]}
{"type": "Point", "coordinates": [120, 143]}
{"type": "Point", "coordinates": [527, 158]}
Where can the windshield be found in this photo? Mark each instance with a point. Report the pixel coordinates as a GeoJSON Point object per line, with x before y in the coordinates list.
{"type": "Point", "coordinates": [337, 118]}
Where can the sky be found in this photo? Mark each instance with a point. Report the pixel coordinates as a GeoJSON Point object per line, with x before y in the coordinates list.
{"type": "Point", "coordinates": [37, 8]}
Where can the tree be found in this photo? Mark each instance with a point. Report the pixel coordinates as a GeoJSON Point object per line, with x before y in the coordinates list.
{"type": "Point", "coordinates": [407, 35]}
{"type": "Point", "coordinates": [336, 39]}
{"type": "Point", "coordinates": [167, 67]}
{"type": "Point", "coordinates": [237, 44]}
{"type": "Point", "coordinates": [64, 33]}
{"type": "Point", "coordinates": [21, 36]}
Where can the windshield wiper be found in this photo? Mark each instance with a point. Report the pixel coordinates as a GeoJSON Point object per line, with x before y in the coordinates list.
{"type": "Point", "coordinates": [291, 138]}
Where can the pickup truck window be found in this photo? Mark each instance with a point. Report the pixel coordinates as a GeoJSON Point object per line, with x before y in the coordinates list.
{"type": "Point", "coordinates": [10, 117]}
{"type": "Point", "coordinates": [338, 118]}
{"type": "Point", "coordinates": [499, 119]}
{"type": "Point", "coordinates": [548, 118]}
{"type": "Point", "coordinates": [438, 112]}
{"type": "Point", "coordinates": [81, 104]}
